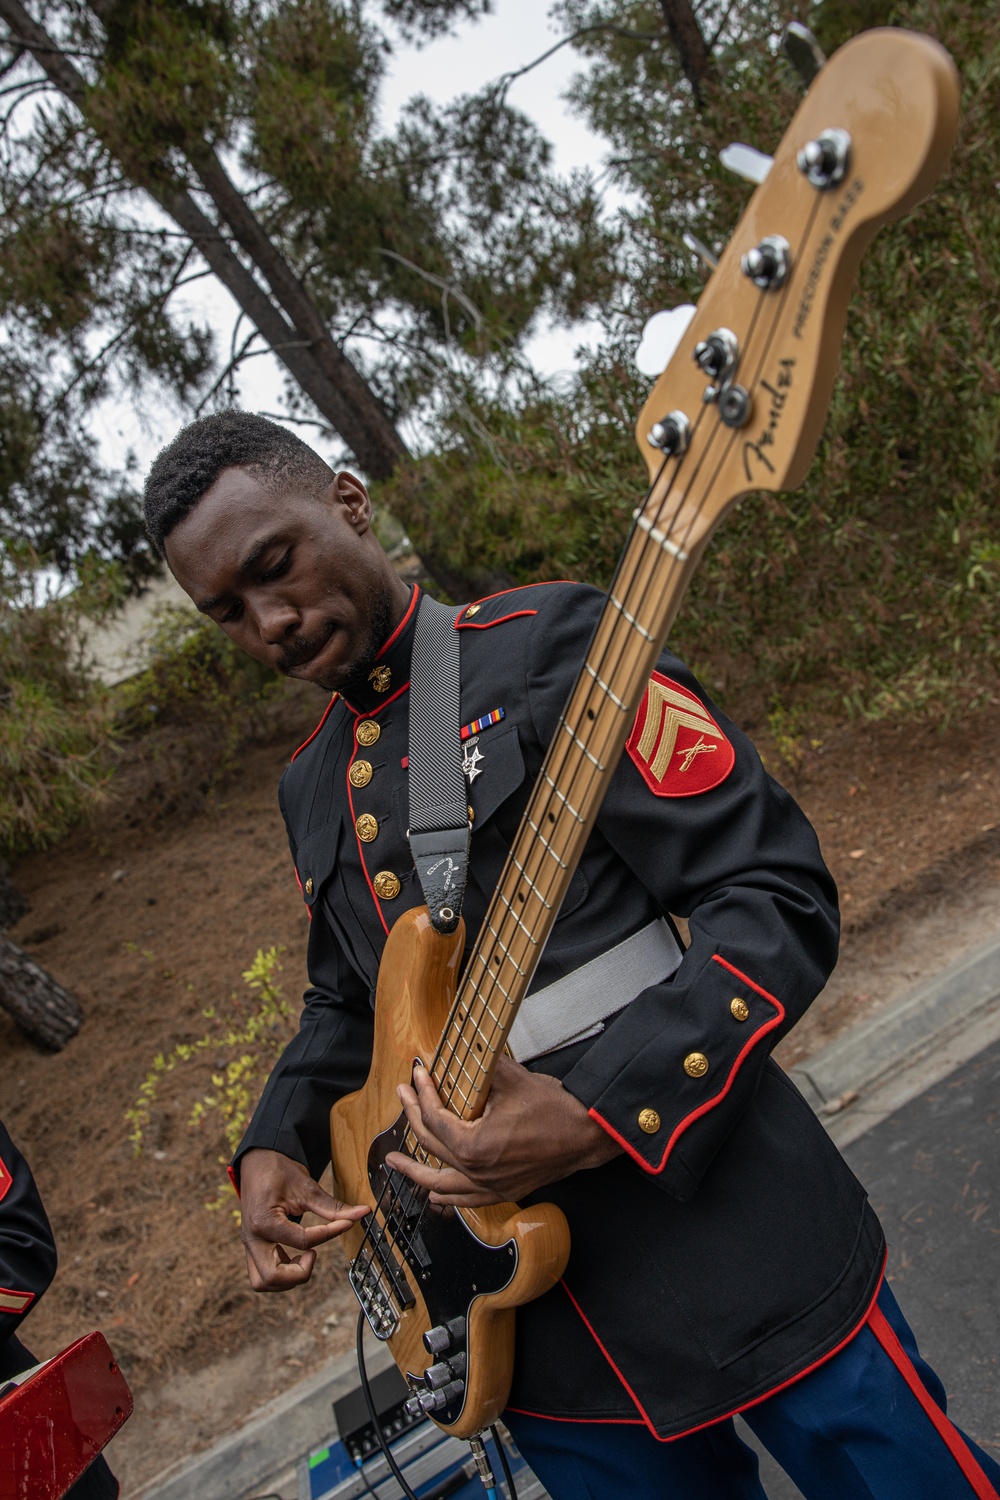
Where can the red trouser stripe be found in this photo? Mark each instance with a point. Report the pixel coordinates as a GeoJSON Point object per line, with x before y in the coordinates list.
{"type": "Point", "coordinates": [946, 1430]}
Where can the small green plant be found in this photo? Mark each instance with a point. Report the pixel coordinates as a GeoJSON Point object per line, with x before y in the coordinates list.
{"type": "Point", "coordinates": [243, 1049]}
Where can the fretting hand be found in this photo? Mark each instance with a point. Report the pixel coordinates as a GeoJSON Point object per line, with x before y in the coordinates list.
{"type": "Point", "coordinates": [532, 1132]}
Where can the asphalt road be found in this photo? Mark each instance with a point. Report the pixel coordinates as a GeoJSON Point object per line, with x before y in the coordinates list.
{"type": "Point", "coordinates": [932, 1170]}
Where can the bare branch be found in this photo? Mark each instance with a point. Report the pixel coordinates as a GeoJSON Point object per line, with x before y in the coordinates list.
{"type": "Point", "coordinates": [503, 83]}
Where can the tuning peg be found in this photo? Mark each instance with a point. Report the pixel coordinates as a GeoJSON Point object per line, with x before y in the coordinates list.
{"type": "Point", "coordinates": [746, 162]}
{"type": "Point", "coordinates": [700, 249]}
{"type": "Point", "coordinates": [660, 338]}
{"type": "Point", "coordinates": [803, 51]}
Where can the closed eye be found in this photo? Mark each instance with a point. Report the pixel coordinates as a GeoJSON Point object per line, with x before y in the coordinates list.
{"type": "Point", "coordinates": [278, 569]}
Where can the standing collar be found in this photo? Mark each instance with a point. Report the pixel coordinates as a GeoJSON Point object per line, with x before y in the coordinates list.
{"type": "Point", "coordinates": [391, 672]}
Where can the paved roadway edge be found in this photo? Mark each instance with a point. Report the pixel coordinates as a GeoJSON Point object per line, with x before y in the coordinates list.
{"type": "Point", "coordinates": [878, 1065]}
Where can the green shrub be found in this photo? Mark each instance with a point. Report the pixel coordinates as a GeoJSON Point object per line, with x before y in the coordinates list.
{"type": "Point", "coordinates": [195, 676]}
{"type": "Point", "coordinates": [55, 717]}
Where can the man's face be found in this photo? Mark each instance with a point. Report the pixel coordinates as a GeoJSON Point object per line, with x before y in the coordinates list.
{"type": "Point", "coordinates": [297, 581]}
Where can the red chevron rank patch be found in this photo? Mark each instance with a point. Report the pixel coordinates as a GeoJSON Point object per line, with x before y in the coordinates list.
{"type": "Point", "coordinates": [5, 1180]}
{"type": "Point", "coordinates": [676, 745]}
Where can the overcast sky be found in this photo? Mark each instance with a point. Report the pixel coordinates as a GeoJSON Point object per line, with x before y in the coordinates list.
{"type": "Point", "coordinates": [516, 34]}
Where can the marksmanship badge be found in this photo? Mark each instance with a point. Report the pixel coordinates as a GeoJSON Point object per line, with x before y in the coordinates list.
{"type": "Point", "coordinates": [676, 745]}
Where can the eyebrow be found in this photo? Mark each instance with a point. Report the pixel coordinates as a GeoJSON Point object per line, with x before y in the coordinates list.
{"type": "Point", "coordinates": [254, 555]}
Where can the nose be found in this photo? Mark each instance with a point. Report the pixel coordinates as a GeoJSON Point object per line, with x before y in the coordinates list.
{"type": "Point", "coordinates": [277, 620]}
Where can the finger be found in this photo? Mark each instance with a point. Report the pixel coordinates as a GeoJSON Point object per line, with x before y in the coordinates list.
{"type": "Point", "coordinates": [438, 1121]}
{"type": "Point", "coordinates": [270, 1269]}
{"type": "Point", "coordinates": [276, 1228]}
{"type": "Point", "coordinates": [424, 1134]}
{"type": "Point", "coordinates": [324, 1206]}
{"type": "Point", "coordinates": [435, 1179]}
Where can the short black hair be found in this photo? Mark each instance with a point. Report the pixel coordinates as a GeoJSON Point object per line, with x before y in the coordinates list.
{"type": "Point", "coordinates": [186, 468]}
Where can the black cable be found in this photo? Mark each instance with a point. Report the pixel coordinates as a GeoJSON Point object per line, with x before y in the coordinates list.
{"type": "Point", "coordinates": [504, 1463]}
{"type": "Point", "coordinates": [397, 1472]}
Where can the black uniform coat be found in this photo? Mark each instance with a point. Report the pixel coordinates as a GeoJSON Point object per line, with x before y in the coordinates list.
{"type": "Point", "coordinates": [730, 1248]}
{"type": "Point", "coordinates": [27, 1266]}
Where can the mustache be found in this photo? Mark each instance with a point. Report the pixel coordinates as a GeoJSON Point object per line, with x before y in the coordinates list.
{"type": "Point", "coordinates": [303, 648]}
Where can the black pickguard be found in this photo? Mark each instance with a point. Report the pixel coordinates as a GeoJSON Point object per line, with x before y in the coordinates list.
{"type": "Point", "coordinates": [447, 1261]}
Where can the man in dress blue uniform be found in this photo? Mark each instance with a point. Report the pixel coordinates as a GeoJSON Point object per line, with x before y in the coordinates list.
{"type": "Point", "coordinates": [724, 1259]}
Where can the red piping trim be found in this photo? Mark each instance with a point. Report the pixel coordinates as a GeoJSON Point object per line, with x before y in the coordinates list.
{"type": "Point", "coordinates": [516, 590]}
{"type": "Point", "coordinates": [593, 1334]}
{"type": "Point", "coordinates": [792, 1379]}
{"type": "Point", "coordinates": [488, 624]}
{"type": "Point", "coordinates": [231, 1174]}
{"type": "Point", "coordinates": [319, 726]}
{"type": "Point", "coordinates": [580, 1421]}
{"type": "Point", "coordinates": [11, 1291]}
{"type": "Point", "coordinates": [708, 1104]}
{"type": "Point", "coordinates": [6, 1178]}
{"type": "Point", "coordinates": [361, 847]}
{"type": "Point", "coordinates": [402, 624]}
{"type": "Point", "coordinates": [945, 1429]}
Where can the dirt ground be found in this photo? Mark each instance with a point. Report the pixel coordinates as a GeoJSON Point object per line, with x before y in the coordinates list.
{"type": "Point", "coordinates": [151, 925]}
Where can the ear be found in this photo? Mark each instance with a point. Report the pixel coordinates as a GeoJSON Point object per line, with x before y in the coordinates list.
{"type": "Point", "coordinates": [352, 494]}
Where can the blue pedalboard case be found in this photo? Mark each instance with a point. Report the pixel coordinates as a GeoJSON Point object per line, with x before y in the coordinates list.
{"type": "Point", "coordinates": [436, 1466]}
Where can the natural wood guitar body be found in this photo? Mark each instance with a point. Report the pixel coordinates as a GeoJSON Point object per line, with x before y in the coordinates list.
{"type": "Point", "coordinates": [416, 989]}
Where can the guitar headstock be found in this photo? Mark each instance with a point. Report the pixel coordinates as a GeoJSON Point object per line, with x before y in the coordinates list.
{"type": "Point", "coordinates": [742, 403]}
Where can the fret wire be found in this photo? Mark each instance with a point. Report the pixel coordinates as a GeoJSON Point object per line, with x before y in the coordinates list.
{"type": "Point", "coordinates": [605, 689]}
{"type": "Point", "coordinates": [579, 743]}
{"type": "Point", "coordinates": [562, 797]}
{"type": "Point", "coordinates": [528, 880]}
{"type": "Point", "coordinates": [545, 845]}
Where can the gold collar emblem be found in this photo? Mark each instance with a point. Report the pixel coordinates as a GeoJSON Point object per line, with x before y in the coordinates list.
{"type": "Point", "coordinates": [380, 678]}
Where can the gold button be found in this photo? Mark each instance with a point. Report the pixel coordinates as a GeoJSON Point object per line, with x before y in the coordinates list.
{"type": "Point", "coordinates": [473, 609]}
{"type": "Point", "coordinates": [740, 1009]}
{"type": "Point", "coordinates": [309, 885]}
{"type": "Point", "coordinates": [386, 885]}
{"type": "Point", "coordinates": [367, 827]}
{"type": "Point", "coordinates": [360, 773]}
{"type": "Point", "coordinates": [696, 1065]}
{"type": "Point", "coordinates": [368, 731]}
{"type": "Point", "coordinates": [380, 678]}
{"type": "Point", "coordinates": [649, 1121]}
{"type": "Point", "coordinates": [472, 813]}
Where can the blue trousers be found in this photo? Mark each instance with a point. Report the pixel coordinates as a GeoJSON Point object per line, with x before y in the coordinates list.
{"type": "Point", "coordinates": [869, 1424]}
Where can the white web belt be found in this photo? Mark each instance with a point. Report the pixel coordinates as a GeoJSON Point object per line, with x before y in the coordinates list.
{"type": "Point", "coordinates": [577, 1005]}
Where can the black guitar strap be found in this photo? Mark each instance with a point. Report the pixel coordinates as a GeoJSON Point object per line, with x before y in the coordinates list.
{"type": "Point", "coordinates": [439, 831]}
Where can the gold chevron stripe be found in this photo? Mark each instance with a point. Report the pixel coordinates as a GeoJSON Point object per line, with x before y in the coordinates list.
{"type": "Point", "coordinates": [15, 1302]}
{"type": "Point", "coordinates": [668, 710]}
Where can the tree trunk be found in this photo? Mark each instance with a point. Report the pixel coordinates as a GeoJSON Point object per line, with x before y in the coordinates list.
{"type": "Point", "coordinates": [45, 1012]}
{"type": "Point", "coordinates": [692, 51]}
{"type": "Point", "coordinates": [12, 904]}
